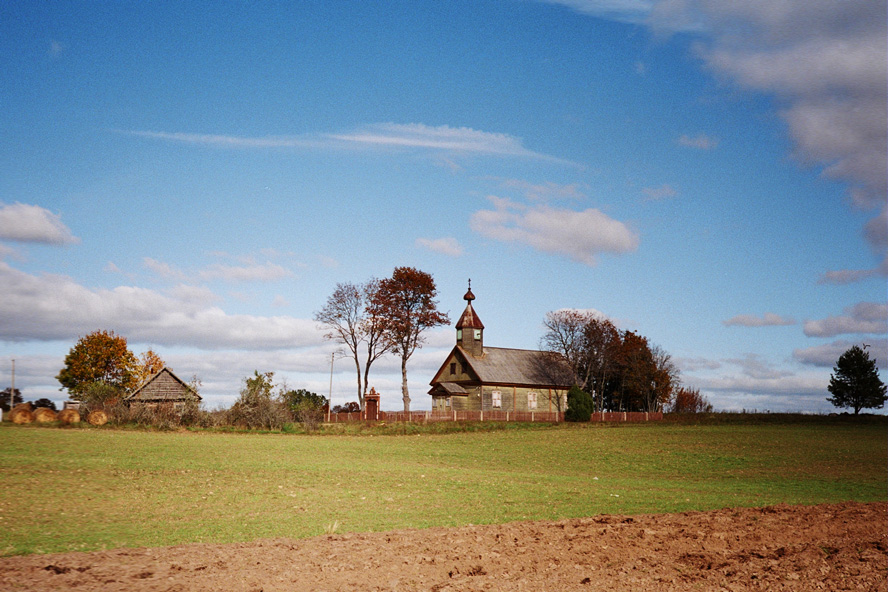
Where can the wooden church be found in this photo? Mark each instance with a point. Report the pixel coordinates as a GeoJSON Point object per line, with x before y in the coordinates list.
{"type": "Point", "coordinates": [479, 378]}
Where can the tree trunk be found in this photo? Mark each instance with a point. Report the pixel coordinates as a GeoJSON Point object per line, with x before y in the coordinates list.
{"type": "Point", "coordinates": [360, 392]}
{"type": "Point", "coordinates": [404, 390]}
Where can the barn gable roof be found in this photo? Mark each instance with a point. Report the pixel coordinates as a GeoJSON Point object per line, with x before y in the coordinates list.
{"type": "Point", "coordinates": [158, 388]}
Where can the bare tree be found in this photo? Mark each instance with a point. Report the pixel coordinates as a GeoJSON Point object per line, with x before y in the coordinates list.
{"type": "Point", "coordinates": [348, 322]}
{"type": "Point", "coordinates": [566, 335]}
{"type": "Point", "coordinates": [405, 306]}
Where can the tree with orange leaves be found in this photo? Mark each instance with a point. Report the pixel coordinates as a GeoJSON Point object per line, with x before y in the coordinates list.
{"type": "Point", "coordinates": [405, 306]}
{"type": "Point", "coordinates": [100, 357]}
{"type": "Point", "coordinates": [148, 364]}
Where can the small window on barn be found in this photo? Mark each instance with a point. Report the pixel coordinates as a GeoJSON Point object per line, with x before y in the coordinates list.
{"type": "Point", "coordinates": [462, 367]}
{"type": "Point", "coordinates": [531, 400]}
{"type": "Point", "coordinates": [452, 368]}
{"type": "Point", "coordinates": [496, 400]}
{"type": "Point", "coordinates": [447, 402]}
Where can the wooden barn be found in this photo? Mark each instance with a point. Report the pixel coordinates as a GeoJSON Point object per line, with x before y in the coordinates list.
{"type": "Point", "coordinates": [479, 378]}
{"type": "Point", "coordinates": [163, 388]}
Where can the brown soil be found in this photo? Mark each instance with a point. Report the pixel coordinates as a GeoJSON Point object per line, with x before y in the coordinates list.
{"type": "Point", "coordinates": [826, 547]}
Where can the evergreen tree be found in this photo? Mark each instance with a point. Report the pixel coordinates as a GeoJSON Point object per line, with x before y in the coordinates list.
{"type": "Point", "coordinates": [579, 405]}
{"type": "Point", "coordinates": [856, 382]}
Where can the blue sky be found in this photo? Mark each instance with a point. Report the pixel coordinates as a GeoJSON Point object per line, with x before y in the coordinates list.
{"type": "Point", "coordinates": [198, 177]}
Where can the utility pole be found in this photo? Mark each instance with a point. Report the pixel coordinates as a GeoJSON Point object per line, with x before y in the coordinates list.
{"type": "Point", "coordinates": [12, 390]}
{"type": "Point", "coordinates": [330, 393]}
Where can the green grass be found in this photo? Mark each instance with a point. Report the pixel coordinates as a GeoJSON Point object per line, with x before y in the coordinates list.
{"type": "Point", "coordinates": [86, 489]}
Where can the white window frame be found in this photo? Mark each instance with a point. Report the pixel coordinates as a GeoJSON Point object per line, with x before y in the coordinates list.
{"type": "Point", "coordinates": [496, 400]}
{"type": "Point", "coordinates": [531, 401]}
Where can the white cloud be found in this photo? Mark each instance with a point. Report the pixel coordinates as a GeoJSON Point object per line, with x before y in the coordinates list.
{"type": "Point", "coordinates": [700, 141]}
{"type": "Point", "coordinates": [864, 318]}
{"type": "Point", "coordinates": [53, 307]}
{"type": "Point", "coordinates": [33, 224]}
{"type": "Point", "coordinates": [661, 192]}
{"type": "Point", "coordinates": [827, 355]}
{"type": "Point", "coordinates": [769, 319]}
{"type": "Point", "coordinates": [757, 367]}
{"type": "Point", "coordinates": [823, 60]}
{"type": "Point", "coordinates": [580, 236]}
{"type": "Point", "coordinates": [446, 246]}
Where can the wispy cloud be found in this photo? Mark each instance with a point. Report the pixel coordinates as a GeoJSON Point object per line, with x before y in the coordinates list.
{"type": "Point", "coordinates": [417, 136]}
{"type": "Point", "coordinates": [700, 141]}
{"type": "Point", "coordinates": [767, 320]}
{"type": "Point", "coordinates": [56, 48]}
{"type": "Point", "coordinates": [547, 191]}
{"type": "Point", "coordinates": [664, 191]}
{"type": "Point", "coordinates": [580, 236]}
{"type": "Point", "coordinates": [626, 11]}
{"type": "Point", "coordinates": [33, 224]}
{"type": "Point", "coordinates": [250, 272]}
{"type": "Point", "coordinates": [446, 246]}
{"type": "Point", "coordinates": [264, 272]}
{"type": "Point", "coordinates": [863, 318]}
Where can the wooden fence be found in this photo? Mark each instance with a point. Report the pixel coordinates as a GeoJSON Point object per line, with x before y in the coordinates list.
{"type": "Point", "coordinates": [526, 416]}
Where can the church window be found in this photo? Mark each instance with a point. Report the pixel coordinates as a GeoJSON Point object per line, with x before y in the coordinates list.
{"type": "Point", "coordinates": [452, 368]}
{"type": "Point", "coordinates": [477, 333]}
{"type": "Point", "coordinates": [458, 334]}
{"type": "Point", "coordinates": [496, 400]}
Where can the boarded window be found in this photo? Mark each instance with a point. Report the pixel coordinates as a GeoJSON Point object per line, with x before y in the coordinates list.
{"type": "Point", "coordinates": [496, 400]}
{"type": "Point", "coordinates": [531, 400]}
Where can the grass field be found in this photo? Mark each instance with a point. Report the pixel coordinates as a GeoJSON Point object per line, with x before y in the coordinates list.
{"type": "Point", "coordinates": [87, 489]}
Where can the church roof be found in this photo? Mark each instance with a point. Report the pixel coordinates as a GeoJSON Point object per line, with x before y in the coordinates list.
{"type": "Point", "coordinates": [500, 365]}
{"type": "Point", "coordinates": [469, 319]}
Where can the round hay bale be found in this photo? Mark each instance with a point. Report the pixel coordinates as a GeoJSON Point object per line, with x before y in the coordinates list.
{"type": "Point", "coordinates": [21, 415]}
{"type": "Point", "coordinates": [97, 418]}
{"type": "Point", "coordinates": [44, 415]}
{"type": "Point", "coordinates": [67, 416]}
{"type": "Point", "coordinates": [25, 406]}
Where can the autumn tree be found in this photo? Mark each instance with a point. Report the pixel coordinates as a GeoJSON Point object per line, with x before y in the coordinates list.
{"type": "Point", "coordinates": [855, 382]}
{"type": "Point", "coordinates": [622, 371]}
{"type": "Point", "coordinates": [99, 357]}
{"type": "Point", "coordinates": [349, 321]}
{"type": "Point", "coordinates": [689, 400]}
{"type": "Point", "coordinates": [405, 307]}
{"type": "Point", "coordinates": [148, 364]}
{"type": "Point", "coordinates": [588, 344]}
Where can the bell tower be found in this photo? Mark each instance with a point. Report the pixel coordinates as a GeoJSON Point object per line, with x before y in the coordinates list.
{"type": "Point", "coordinates": [470, 329]}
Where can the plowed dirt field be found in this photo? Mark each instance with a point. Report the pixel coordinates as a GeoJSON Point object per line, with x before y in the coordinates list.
{"type": "Point", "coordinates": [825, 547]}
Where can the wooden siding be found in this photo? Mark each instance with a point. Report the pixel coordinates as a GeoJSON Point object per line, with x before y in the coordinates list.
{"type": "Point", "coordinates": [164, 387]}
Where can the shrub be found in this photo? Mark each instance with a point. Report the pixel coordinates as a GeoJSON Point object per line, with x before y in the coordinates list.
{"type": "Point", "coordinates": [579, 405]}
{"type": "Point", "coordinates": [257, 407]}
